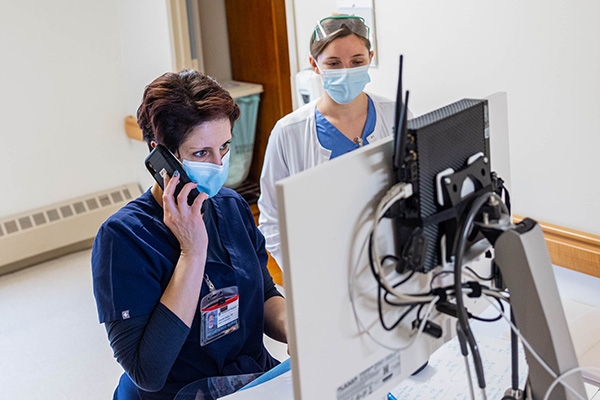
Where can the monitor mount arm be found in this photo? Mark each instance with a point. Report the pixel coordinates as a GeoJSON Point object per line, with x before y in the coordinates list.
{"type": "Point", "coordinates": [524, 262]}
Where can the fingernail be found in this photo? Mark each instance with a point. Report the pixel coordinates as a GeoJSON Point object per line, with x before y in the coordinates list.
{"type": "Point", "coordinates": [176, 173]}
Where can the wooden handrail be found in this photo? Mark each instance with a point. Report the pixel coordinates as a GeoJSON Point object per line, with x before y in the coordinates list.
{"type": "Point", "coordinates": [568, 248]}
{"type": "Point", "coordinates": [132, 129]}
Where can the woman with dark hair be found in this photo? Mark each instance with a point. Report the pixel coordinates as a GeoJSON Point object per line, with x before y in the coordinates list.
{"type": "Point", "coordinates": [161, 267]}
{"type": "Point", "coordinates": [344, 118]}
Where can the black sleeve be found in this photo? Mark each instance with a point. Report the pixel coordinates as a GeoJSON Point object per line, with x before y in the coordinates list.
{"type": "Point", "coordinates": [258, 239]}
{"type": "Point", "coordinates": [147, 346]}
{"type": "Point", "coordinates": [269, 285]}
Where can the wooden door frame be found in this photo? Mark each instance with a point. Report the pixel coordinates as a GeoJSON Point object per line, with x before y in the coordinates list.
{"type": "Point", "coordinates": [258, 48]}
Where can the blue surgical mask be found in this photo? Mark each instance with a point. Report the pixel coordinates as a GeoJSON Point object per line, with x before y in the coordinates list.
{"type": "Point", "coordinates": [209, 177]}
{"type": "Point", "coordinates": [343, 85]}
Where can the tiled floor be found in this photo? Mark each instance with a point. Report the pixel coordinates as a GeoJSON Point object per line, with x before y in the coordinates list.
{"type": "Point", "coordinates": [51, 344]}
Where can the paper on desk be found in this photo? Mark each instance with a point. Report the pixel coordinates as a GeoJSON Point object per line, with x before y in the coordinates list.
{"type": "Point", "coordinates": [591, 391]}
{"type": "Point", "coordinates": [445, 377]}
{"type": "Point", "coordinates": [278, 388]}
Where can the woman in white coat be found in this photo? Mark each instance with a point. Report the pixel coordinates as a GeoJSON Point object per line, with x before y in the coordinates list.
{"type": "Point", "coordinates": [344, 118]}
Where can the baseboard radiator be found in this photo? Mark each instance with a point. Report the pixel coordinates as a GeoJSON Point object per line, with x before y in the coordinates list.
{"type": "Point", "coordinates": [55, 230]}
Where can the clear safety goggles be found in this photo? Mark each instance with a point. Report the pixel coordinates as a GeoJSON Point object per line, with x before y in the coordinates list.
{"type": "Point", "coordinates": [328, 25]}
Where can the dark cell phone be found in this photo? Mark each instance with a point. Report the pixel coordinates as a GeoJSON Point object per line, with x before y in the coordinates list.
{"type": "Point", "coordinates": [161, 161]}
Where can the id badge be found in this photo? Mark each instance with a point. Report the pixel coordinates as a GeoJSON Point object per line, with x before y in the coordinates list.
{"type": "Point", "coordinates": [219, 314]}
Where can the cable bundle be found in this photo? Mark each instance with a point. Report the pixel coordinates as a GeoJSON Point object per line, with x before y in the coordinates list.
{"type": "Point", "coordinates": [446, 299]}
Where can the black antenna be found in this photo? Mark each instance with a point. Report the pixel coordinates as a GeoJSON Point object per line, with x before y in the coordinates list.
{"type": "Point", "coordinates": [397, 115]}
{"type": "Point", "coordinates": [398, 98]}
{"type": "Point", "coordinates": [400, 122]}
{"type": "Point", "coordinates": [401, 142]}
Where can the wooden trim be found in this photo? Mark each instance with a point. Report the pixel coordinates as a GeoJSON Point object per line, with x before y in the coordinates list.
{"type": "Point", "coordinates": [571, 249]}
{"type": "Point", "coordinates": [258, 49]}
{"type": "Point", "coordinates": [132, 128]}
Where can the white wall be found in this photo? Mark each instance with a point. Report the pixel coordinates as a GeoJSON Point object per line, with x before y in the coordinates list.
{"type": "Point", "coordinates": [71, 71]}
{"type": "Point", "coordinates": [148, 52]}
{"type": "Point", "coordinates": [543, 54]}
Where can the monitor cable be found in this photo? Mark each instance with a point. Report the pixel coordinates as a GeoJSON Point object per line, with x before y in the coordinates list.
{"type": "Point", "coordinates": [514, 353]}
{"type": "Point", "coordinates": [363, 328]}
{"type": "Point", "coordinates": [462, 340]}
{"type": "Point", "coordinates": [464, 234]}
{"type": "Point", "coordinates": [401, 190]}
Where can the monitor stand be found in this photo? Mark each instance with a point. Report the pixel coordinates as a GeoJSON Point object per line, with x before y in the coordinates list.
{"type": "Point", "coordinates": [524, 262]}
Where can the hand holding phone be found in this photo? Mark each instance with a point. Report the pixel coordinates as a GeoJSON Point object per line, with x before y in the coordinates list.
{"type": "Point", "coordinates": [161, 161]}
{"type": "Point", "coordinates": [182, 220]}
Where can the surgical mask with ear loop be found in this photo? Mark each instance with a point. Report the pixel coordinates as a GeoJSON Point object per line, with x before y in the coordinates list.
{"type": "Point", "coordinates": [209, 177]}
{"type": "Point", "coordinates": [345, 84]}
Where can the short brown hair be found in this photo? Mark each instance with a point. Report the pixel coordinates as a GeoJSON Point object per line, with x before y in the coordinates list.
{"type": "Point", "coordinates": [318, 46]}
{"type": "Point", "coordinates": [174, 103]}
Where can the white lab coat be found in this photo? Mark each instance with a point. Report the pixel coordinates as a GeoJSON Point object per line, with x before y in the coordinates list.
{"type": "Point", "coordinates": [294, 147]}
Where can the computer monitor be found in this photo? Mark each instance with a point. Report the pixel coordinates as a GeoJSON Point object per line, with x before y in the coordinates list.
{"type": "Point", "coordinates": [338, 346]}
{"type": "Point", "coordinates": [325, 216]}
{"type": "Point", "coordinates": [339, 349]}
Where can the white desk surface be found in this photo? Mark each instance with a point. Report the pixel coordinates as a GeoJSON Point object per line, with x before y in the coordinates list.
{"type": "Point", "coordinates": [443, 379]}
{"type": "Point", "coordinates": [445, 376]}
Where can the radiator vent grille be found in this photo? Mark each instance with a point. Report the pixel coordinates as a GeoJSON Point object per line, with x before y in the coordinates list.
{"type": "Point", "coordinates": [55, 214]}
{"type": "Point", "coordinates": [58, 229]}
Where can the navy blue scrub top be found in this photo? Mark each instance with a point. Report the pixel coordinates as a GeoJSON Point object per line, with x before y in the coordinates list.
{"type": "Point", "coordinates": [134, 256]}
{"type": "Point", "coordinates": [332, 139]}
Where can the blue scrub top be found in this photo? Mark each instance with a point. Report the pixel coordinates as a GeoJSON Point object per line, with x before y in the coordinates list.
{"type": "Point", "coordinates": [332, 139]}
{"type": "Point", "coordinates": [133, 259]}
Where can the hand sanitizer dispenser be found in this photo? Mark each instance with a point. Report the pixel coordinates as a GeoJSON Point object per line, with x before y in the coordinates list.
{"type": "Point", "coordinates": [309, 86]}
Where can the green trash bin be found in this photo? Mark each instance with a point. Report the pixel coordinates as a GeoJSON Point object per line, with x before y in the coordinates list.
{"type": "Point", "coordinates": [242, 141]}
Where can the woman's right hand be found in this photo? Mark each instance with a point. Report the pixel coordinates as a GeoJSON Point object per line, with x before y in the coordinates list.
{"type": "Point", "coordinates": [183, 220]}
